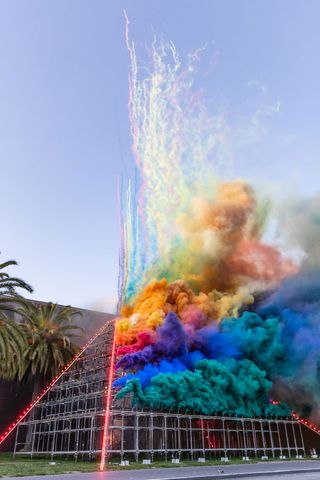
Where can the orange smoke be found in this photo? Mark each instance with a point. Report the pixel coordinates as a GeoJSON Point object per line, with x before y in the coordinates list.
{"type": "Point", "coordinates": [222, 261]}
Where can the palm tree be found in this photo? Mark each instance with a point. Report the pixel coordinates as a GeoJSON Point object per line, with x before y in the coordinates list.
{"type": "Point", "coordinates": [9, 284]}
{"type": "Point", "coordinates": [12, 338]}
{"type": "Point", "coordinates": [12, 347]}
{"type": "Point", "coordinates": [49, 332]}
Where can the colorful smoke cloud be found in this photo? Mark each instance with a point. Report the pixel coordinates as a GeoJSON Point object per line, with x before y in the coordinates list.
{"type": "Point", "coordinates": [214, 319]}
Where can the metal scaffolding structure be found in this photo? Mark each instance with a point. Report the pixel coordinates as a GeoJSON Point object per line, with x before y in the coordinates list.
{"type": "Point", "coordinates": [69, 420]}
{"type": "Point", "coordinates": [169, 435]}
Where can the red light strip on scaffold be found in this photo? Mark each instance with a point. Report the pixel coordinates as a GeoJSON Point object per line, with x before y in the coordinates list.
{"type": "Point", "coordinates": [28, 409]}
{"type": "Point", "coordinates": [301, 420]}
{"type": "Point", "coordinates": [305, 422]}
{"type": "Point", "coordinates": [108, 391]}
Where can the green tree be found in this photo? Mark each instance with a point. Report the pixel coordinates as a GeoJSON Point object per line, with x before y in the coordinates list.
{"type": "Point", "coordinates": [12, 337]}
{"type": "Point", "coordinates": [50, 336]}
{"type": "Point", "coordinates": [49, 332]}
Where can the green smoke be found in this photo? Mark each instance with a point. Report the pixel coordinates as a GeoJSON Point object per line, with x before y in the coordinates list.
{"type": "Point", "coordinates": [234, 387]}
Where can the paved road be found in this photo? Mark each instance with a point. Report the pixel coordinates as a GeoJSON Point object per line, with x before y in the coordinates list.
{"type": "Point", "coordinates": [309, 470]}
{"type": "Point", "coordinates": [288, 476]}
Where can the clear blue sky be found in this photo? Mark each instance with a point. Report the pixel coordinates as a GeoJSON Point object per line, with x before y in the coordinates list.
{"type": "Point", "coordinates": [64, 133]}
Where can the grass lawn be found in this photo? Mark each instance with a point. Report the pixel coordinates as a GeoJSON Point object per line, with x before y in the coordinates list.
{"type": "Point", "coordinates": [19, 467]}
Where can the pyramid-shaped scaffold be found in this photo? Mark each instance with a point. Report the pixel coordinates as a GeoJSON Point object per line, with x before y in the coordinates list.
{"type": "Point", "coordinates": [77, 415]}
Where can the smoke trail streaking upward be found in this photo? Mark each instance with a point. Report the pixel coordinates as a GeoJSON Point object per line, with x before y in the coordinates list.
{"type": "Point", "coordinates": [176, 145]}
{"type": "Point", "coordinates": [213, 319]}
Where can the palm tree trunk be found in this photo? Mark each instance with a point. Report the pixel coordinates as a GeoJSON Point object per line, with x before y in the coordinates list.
{"type": "Point", "coordinates": [34, 414]}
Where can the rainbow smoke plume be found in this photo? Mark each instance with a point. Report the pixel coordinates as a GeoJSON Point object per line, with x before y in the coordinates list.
{"type": "Point", "coordinates": [213, 319]}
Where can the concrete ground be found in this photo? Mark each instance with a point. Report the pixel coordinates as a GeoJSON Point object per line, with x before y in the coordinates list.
{"type": "Point", "coordinates": [291, 476]}
{"type": "Point", "coordinates": [295, 470]}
